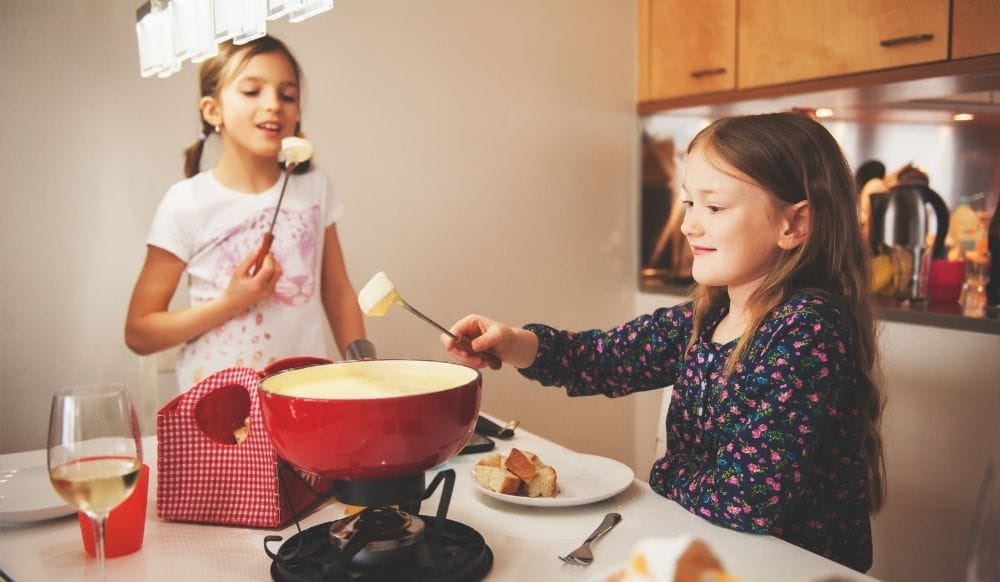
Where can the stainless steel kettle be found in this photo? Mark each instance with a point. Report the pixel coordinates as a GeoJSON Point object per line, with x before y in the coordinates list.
{"type": "Point", "coordinates": [900, 218]}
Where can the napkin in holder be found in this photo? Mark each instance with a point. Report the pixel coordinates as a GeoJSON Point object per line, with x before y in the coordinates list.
{"type": "Point", "coordinates": [216, 463]}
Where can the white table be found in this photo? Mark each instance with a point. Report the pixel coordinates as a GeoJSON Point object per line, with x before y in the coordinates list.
{"type": "Point", "coordinates": [525, 540]}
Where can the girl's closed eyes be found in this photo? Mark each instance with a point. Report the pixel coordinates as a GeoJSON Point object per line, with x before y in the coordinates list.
{"type": "Point", "coordinates": [711, 207]}
{"type": "Point", "coordinates": [709, 199]}
{"type": "Point", "coordinates": [287, 92]}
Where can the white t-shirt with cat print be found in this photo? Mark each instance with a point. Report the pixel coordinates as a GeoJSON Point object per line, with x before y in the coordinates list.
{"type": "Point", "coordinates": [212, 229]}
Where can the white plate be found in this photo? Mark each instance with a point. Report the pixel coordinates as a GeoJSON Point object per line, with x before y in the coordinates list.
{"type": "Point", "coordinates": [581, 479]}
{"type": "Point", "coordinates": [27, 495]}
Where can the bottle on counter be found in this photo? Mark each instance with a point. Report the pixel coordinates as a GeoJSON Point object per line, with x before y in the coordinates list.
{"type": "Point", "coordinates": [964, 228]}
{"type": "Point", "coordinates": [993, 245]}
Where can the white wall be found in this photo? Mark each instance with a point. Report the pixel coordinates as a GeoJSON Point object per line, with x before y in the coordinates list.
{"type": "Point", "coordinates": [486, 151]}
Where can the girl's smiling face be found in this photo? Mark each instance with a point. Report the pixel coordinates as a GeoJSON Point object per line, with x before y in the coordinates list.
{"type": "Point", "coordinates": [731, 224]}
{"type": "Point", "coordinates": [260, 106]}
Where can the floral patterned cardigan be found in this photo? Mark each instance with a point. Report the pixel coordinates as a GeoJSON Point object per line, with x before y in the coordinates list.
{"type": "Point", "coordinates": [775, 449]}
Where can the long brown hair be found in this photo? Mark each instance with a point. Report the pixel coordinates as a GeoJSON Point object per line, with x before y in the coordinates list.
{"type": "Point", "coordinates": [795, 158]}
{"type": "Point", "coordinates": [211, 83]}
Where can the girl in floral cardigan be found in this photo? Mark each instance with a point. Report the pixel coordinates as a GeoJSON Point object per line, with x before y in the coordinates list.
{"type": "Point", "coordinates": [773, 426]}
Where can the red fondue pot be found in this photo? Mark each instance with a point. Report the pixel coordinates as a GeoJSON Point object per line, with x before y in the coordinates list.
{"type": "Point", "coordinates": [371, 419]}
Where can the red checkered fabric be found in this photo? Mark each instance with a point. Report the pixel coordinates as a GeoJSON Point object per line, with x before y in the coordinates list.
{"type": "Point", "coordinates": [201, 479]}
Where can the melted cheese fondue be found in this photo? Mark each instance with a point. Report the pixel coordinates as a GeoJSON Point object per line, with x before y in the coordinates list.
{"type": "Point", "coordinates": [369, 380]}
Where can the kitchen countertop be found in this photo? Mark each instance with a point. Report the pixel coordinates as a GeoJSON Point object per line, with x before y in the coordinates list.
{"type": "Point", "coordinates": [525, 540]}
{"type": "Point", "coordinates": [944, 316]}
{"type": "Point", "coordinates": [932, 315]}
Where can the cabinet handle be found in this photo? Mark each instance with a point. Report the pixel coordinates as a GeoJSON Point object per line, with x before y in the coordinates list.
{"type": "Point", "coordinates": [707, 72]}
{"type": "Point", "coordinates": [890, 42]}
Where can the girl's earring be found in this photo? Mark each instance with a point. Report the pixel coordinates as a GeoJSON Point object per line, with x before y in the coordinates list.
{"type": "Point", "coordinates": [216, 129]}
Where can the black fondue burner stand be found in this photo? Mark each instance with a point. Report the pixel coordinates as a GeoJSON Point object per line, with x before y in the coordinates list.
{"type": "Point", "coordinates": [383, 544]}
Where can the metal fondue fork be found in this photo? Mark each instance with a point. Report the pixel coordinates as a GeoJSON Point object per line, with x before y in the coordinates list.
{"type": "Point", "coordinates": [462, 342]}
{"type": "Point", "coordinates": [583, 556]}
{"type": "Point", "coordinates": [265, 244]}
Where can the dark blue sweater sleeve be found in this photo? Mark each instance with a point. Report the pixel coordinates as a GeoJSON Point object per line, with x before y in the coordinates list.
{"type": "Point", "coordinates": [641, 354]}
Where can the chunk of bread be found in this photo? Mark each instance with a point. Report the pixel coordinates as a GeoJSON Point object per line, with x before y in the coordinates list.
{"type": "Point", "coordinates": [491, 460]}
{"type": "Point", "coordinates": [521, 464]}
{"type": "Point", "coordinates": [698, 564]}
{"type": "Point", "coordinates": [241, 433]}
{"type": "Point", "coordinates": [519, 473]}
{"type": "Point", "coordinates": [542, 484]}
{"type": "Point", "coordinates": [496, 479]}
{"type": "Point", "coordinates": [683, 558]}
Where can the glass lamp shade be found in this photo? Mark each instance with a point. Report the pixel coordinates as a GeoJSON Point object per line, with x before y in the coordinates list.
{"type": "Point", "coordinates": [153, 31]}
{"type": "Point", "coordinates": [193, 29]}
{"type": "Point", "coordinates": [252, 21]}
{"type": "Point", "coordinates": [309, 8]}
{"type": "Point", "coordinates": [171, 31]}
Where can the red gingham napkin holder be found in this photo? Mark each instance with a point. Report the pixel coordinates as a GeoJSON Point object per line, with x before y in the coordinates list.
{"type": "Point", "coordinates": [205, 476]}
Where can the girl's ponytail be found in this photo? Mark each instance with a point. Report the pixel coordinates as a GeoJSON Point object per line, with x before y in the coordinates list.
{"type": "Point", "coordinates": [192, 154]}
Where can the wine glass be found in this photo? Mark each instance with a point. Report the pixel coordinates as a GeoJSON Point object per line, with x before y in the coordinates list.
{"type": "Point", "coordinates": [95, 451]}
{"type": "Point", "coordinates": [977, 275]}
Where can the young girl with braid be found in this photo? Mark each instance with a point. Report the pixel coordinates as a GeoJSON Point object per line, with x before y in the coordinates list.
{"type": "Point", "coordinates": [210, 227]}
{"type": "Point", "coordinates": [773, 425]}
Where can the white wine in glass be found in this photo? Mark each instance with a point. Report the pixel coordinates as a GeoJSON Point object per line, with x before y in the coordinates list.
{"type": "Point", "coordinates": [95, 451]}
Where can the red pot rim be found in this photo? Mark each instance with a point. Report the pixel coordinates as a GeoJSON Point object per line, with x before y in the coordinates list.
{"type": "Point", "coordinates": [475, 379]}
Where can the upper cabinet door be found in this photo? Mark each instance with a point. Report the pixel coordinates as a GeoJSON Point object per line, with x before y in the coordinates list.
{"type": "Point", "coordinates": [690, 47]}
{"type": "Point", "coordinates": [792, 40]}
{"type": "Point", "coordinates": [975, 28]}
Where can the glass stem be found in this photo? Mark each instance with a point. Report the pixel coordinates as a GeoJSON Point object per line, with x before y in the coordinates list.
{"type": "Point", "coordinates": [99, 522]}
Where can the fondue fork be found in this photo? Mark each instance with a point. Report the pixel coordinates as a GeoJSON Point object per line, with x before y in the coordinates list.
{"type": "Point", "coordinates": [379, 294]}
{"type": "Point", "coordinates": [583, 556]}
{"type": "Point", "coordinates": [462, 342]}
{"type": "Point", "coordinates": [265, 243]}
{"type": "Point", "coordinates": [294, 151]}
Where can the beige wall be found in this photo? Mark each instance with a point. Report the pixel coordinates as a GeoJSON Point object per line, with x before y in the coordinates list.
{"type": "Point", "coordinates": [939, 430]}
{"type": "Point", "coordinates": [486, 151]}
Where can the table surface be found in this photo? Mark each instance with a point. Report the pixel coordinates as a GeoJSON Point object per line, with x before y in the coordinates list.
{"type": "Point", "coordinates": [525, 540]}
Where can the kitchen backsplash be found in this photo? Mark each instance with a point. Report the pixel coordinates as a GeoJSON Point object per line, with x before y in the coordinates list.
{"type": "Point", "coordinates": [962, 161]}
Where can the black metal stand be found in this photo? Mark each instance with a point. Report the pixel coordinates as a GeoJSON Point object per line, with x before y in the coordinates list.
{"type": "Point", "coordinates": [407, 492]}
{"type": "Point", "coordinates": [399, 491]}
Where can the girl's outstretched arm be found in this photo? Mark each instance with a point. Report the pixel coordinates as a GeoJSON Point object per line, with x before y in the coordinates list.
{"type": "Point", "coordinates": [150, 326]}
{"type": "Point", "coordinates": [340, 301]}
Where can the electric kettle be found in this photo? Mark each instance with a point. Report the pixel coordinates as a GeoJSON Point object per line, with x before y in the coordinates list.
{"type": "Point", "coordinates": [900, 220]}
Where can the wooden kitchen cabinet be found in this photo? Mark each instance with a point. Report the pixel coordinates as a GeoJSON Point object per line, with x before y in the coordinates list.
{"type": "Point", "coordinates": [791, 40]}
{"type": "Point", "coordinates": [975, 28]}
{"type": "Point", "coordinates": [686, 48]}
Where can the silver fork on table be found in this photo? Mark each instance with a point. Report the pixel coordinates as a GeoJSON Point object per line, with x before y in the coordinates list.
{"type": "Point", "coordinates": [583, 556]}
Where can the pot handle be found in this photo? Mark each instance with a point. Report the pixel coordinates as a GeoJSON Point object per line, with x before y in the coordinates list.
{"type": "Point", "coordinates": [360, 349]}
{"type": "Point", "coordinates": [943, 218]}
{"type": "Point", "coordinates": [292, 363]}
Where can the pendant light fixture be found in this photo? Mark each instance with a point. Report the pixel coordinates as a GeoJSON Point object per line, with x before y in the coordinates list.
{"type": "Point", "coordinates": [172, 31]}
